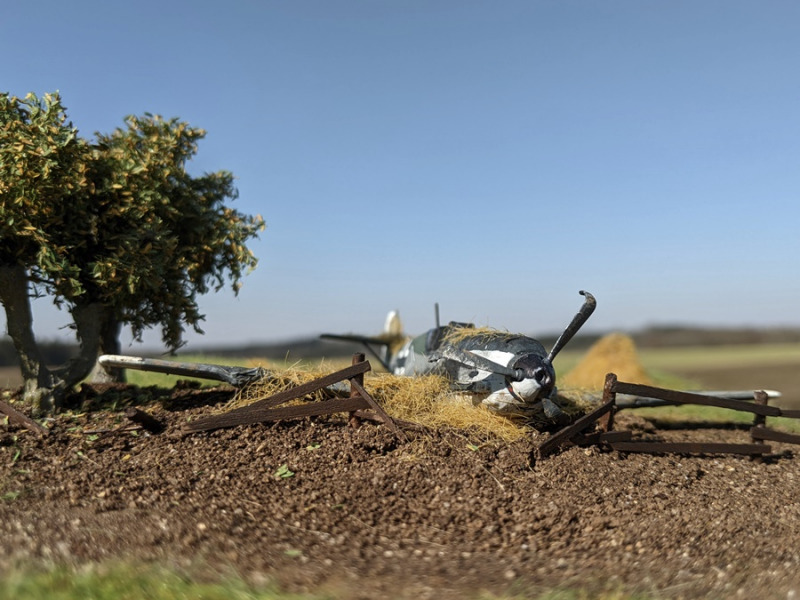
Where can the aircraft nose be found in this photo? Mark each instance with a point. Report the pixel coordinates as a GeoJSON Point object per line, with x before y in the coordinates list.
{"type": "Point", "coordinates": [539, 369]}
{"type": "Point", "coordinates": [543, 377]}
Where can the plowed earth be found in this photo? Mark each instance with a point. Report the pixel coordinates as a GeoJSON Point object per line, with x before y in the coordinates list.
{"type": "Point", "coordinates": [315, 505]}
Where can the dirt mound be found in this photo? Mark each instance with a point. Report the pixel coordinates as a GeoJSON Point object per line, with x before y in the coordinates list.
{"type": "Point", "coordinates": [316, 505]}
{"type": "Point", "coordinates": [613, 353]}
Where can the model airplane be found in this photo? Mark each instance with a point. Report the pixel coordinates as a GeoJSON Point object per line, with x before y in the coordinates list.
{"type": "Point", "coordinates": [510, 374]}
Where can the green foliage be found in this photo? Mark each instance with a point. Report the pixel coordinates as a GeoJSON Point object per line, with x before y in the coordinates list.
{"type": "Point", "coordinates": [116, 230]}
{"type": "Point", "coordinates": [158, 237]}
{"type": "Point", "coordinates": [42, 160]}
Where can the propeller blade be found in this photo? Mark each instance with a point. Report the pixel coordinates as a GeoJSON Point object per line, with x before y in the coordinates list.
{"type": "Point", "coordinates": [479, 362]}
{"type": "Point", "coordinates": [577, 322]}
{"type": "Point", "coordinates": [551, 409]}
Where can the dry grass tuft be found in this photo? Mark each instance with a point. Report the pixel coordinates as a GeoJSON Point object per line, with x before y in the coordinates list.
{"type": "Point", "coordinates": [426, 400]}
{"type": "Point", "coordinates": [456, 334]}
{"type": "Point", "coordinates": [279, 380]}
{"type": "Point", "coordinates": [429, 401]}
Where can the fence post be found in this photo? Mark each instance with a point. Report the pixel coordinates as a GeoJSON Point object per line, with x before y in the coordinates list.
{"type": "Point", "coordinates": [606, 423]}
{"type": "Point", "coordinates": [358, 357]}
{"type": "Point", "coordinates": [762, 398]}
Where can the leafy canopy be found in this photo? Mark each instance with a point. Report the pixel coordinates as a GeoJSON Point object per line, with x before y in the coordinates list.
{"type": "Point", "coordinates": [118, 221]}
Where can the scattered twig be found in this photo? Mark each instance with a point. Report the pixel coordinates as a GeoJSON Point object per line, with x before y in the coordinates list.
{"type": "Point", "coordinates": [17, 418]}
{"type": "Point", "coordinates": [147, 421]}
{"type": "Point", "coordinates": [121, 429]}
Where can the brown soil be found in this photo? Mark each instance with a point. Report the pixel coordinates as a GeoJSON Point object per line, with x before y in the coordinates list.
{"type": "Point", "coordinates": [365, 517]}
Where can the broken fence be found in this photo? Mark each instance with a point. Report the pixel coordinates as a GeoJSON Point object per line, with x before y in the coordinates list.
{"type": "Point", "coordinates": [622, 441]}
{"type": "Point", "coordinates": [358, 404]}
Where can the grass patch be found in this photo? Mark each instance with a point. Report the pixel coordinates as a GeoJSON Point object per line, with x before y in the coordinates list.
{"type": "Point", "coordinates": [141, 582]}
{"type": "Point", "coordinates": [692, 413]}
{"type": "Point", "coordinates": [128, 582]}
{"type": "Point", "coordinates": [150, 379]}
{"type": "Point", "coordinates": [708, 357]}
{"type": "Point", "coordinates": [122, 581]}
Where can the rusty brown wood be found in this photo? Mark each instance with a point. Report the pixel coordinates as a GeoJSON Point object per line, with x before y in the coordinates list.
{"type": "Point", "coordinates": [762, 399]}
{"type": "Point", "coordinates": [146, 420]}
{"type": "Point", "coordinates": [373, 404]}
{"type": "Point", "coordinates": [310, 409]}
{"type": "Point", "coordinates": [601, 437]}
{"type": "Point", "coordinates": [357, 380]}
{"type": "Point", "coordinates": [790, 414]}
{"type": "Point", "coordinates": [676, 397]}
{"type": "Point", "coordinates": [303, 389]}
{"type": "Point", "coordinates": [565, 434]}
{"type": "Point", "coordinates": [17, 418]}
{"type": "Point", "coordinates": [254, 413]}
{"type": "Point", "coordinates": [606, 423]}
{"type": "Point", "coordinates": [765, 433]}
{"type": "Point", "coordinates": [690, 448]}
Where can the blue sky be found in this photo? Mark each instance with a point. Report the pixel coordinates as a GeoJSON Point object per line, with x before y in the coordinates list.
{"type": "Point", "coordinates": [495, 157]}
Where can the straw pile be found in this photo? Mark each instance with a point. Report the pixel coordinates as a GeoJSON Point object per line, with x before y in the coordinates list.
{"type": "Point", "coordinates": [613, 353]}
{"type": "Point", "coordinates": [427, 400]}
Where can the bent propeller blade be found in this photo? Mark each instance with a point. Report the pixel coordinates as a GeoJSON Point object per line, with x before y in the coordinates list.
{"type": "Point", "coordinates": [577, 322]}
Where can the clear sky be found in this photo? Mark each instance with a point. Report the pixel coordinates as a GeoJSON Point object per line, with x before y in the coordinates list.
{"type": "Point", "coordinates": [495, 157]}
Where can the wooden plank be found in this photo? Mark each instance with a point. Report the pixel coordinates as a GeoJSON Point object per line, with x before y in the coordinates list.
{"type": "Point", "coordinates": [310, 409]}
{"type": "Point", "coordinates": [601, 437]}
{"type": "Point", "coordinates": [17, 418]}
{"type": "Point", "coordinates": [306, 388]}
{"type": "Point", "coordinates": [569, 431]}
{"type": "Point", "coordinates": [790, 414]}
{"type": "Point", "coordinates": [690, 448]}
{"type": "Point", "coordinates": [379, 410]}
{"type": "Point", "coordinates": [648, 391]}
{"type": "Point", "coordinates": [772, 435]}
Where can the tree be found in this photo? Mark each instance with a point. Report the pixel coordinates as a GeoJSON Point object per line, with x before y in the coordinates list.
{"type": "Point", "coordinates": [116, 231]}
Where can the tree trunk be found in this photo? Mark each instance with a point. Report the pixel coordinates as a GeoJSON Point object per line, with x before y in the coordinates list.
{"type": "Point", "coordinates": [42, 389]}
{"type": "Point", "coordinates": [88, 320]}
{"type": "Point", "coordinates": [45, 388]}
{"type": "Point", "coordinates": [109, 344]}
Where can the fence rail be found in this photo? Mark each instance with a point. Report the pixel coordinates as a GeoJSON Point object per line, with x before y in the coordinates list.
{"type": "Point", "coordinates": [267, 409]}
{"type": "Point", "coordinates": [603, 420]}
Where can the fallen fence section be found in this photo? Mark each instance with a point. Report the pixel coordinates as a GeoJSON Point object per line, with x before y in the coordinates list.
{"type": "Point", "coordinates": [603, 418]}
{"type": "Point", "coordinates": [267, 409]}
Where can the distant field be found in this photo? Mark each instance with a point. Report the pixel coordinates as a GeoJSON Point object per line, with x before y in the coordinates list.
{"type": "Point", "coordinates": [735, 367]}
{"type": "Point", "coordinates": [10, 377]}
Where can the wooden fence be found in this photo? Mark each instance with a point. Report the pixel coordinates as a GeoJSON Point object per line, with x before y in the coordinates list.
{"type": "Point", "coordinates": [622, 441]}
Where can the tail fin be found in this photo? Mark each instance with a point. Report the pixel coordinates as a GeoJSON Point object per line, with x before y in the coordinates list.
{"type": "Point", "coordinates": [393, 325]}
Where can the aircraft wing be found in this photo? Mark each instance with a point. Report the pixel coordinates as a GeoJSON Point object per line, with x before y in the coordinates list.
{"type": "Point", "coordinates": [361, 339]}
{"type": "Point", "coordinates": [367, 341]}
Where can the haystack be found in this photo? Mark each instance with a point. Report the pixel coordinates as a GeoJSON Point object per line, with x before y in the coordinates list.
{"type": "Point", "coordinates": [613, 353]}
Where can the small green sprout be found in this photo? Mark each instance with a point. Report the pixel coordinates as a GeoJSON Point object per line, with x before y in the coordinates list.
{"type": "Point", "coordinates": [283, 472]}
